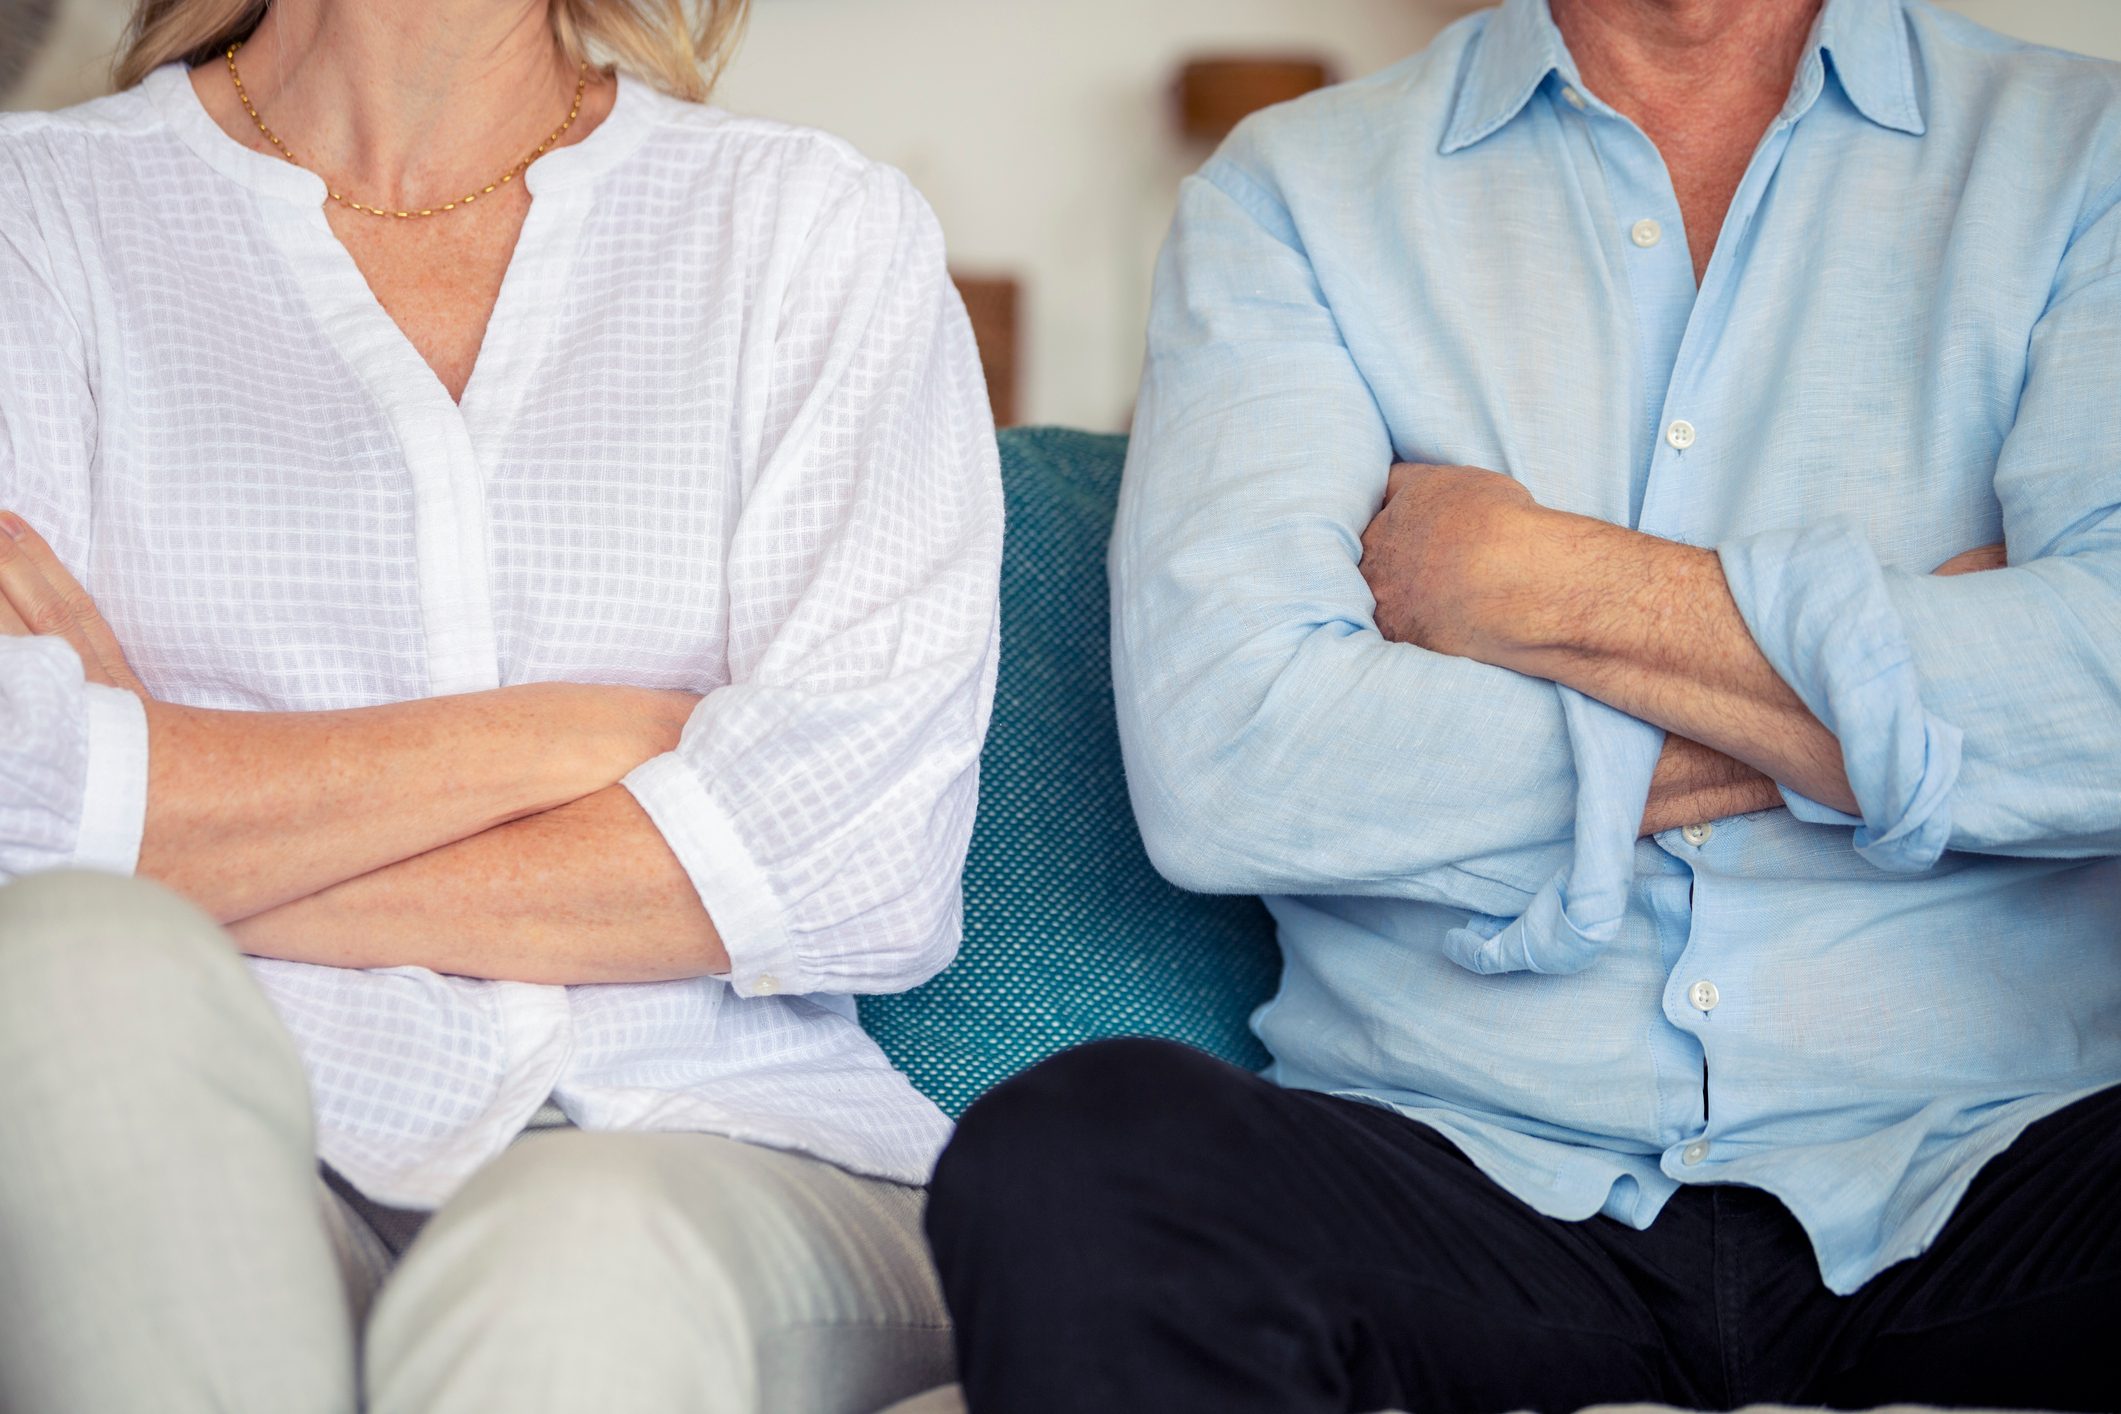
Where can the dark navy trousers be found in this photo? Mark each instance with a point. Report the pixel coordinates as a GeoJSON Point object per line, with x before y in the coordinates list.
{"type": "Point", "coordinates": [1137, 1228]}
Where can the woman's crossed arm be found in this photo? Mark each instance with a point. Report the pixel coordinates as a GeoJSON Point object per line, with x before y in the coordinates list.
{"type": "Point", "coordinates": [248, 812]}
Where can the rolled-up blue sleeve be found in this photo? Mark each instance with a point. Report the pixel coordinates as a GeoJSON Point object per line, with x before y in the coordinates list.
{"type": "Point", "coordinates": [1980, 712]}
{"type": "Point", "coordinates": [1275, 742]}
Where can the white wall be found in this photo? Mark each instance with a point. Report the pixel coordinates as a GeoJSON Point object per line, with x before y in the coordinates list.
{"type": "Point", "coordinates": [1039, 130]}
{"type": "Point", "coordinates": [2087, 26]}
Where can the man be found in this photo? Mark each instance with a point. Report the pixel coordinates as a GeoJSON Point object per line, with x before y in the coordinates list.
{"type": "Point", "coordinates": [1702, 921]}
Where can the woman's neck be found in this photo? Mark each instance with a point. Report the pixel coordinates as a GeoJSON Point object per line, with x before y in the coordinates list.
{"type": "Point", "coordinates": [402, 101]}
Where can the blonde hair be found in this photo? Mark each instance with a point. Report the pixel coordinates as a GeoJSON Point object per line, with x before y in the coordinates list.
{"type": "Point", "coordinates": [656, 41]}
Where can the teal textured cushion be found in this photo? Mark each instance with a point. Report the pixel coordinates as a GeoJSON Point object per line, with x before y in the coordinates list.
{"type": "Point", "coordinates": [1070, 934]}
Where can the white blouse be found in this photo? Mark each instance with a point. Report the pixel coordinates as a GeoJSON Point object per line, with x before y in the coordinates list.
{"type": "Point", "coordinates": [727, 434]}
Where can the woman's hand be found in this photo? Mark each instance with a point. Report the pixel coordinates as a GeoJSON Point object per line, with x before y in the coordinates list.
{"type": "Point", "coordinates": [38, 597]}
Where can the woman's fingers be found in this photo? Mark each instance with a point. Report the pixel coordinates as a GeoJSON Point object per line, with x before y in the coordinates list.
{"type": "Point", "coordinates": [46, 599]}
{"type": "Point", "coordinates": [87, 617]}
{"type": "Point", "coordinates": [11, 625]}
{"type": "Point", "coordinates": [35, 602]}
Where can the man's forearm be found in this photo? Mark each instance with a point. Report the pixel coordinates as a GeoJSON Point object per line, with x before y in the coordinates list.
{"type": "Point", "coordinates": [1648, 626]}
{"type": "Point", "coordinates": [1695, 783]}
{"type": "Point", "coordinates": [248, 810]}
{"type": "Point", "coordinates": [584, 893]}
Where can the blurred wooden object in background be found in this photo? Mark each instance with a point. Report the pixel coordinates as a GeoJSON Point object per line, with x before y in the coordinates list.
{"type": "Point", "coordinates": [995, 302]}
{"type": "Point", "coordinates": [1215, 93]}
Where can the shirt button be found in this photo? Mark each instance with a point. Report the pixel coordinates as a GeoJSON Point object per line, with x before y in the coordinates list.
{"type": "Point", "coordinates": [1694, 1153]}
{"type": "Point", "coordinates": [1575, 99]}
{"type": "Point", "coordinates": [1704, 996]}
{"type": "Point", "coordinates": [1698, 835]}
{"type": "Point", "coordinates": [1646, 233]}
{"type": "Point", "coordinates": [1680, 434]}
{"type": "Point", "coordinates": [765, 985]}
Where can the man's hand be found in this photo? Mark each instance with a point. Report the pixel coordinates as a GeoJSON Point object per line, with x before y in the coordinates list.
{"type": "Point", "coordinates": [1441, 556]}
{"type": "Point", "coordinates": [38, 597]}
{"type": "Point", "coordinates": [1464, 562]}
{"type": "Point", "coordinates": [1988, 557]}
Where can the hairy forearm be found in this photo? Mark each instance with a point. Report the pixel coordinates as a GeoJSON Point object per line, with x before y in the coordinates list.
{"type": "Point", "coordinates": [248, 811]}
{"type": "Point", "coordinates": [1649, 626]}
{"type": "Point", "coordinates": [584, 893]}
{"type": "Point", "coordinates": [1695, 783]}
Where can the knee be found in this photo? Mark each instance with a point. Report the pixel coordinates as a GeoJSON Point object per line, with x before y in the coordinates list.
{"type": "Point", "coordinates": [557, 1207]}
{"type": "Point", "coordinates": [1076, 1131]}
{"type": "Point", "coordinates": [584, 1249]}
{"type": "Point", "coordinates": [90, 960]}
{"type": "Point", "coordinates": [705, 1273]}
{"type": "Point", "coordinates": [561, 1226]}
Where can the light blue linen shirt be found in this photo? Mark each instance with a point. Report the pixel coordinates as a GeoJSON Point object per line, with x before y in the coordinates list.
{"type": "Point", "coordinates": [1907, 344]}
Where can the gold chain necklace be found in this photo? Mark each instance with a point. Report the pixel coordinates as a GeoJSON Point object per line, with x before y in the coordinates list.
{"type": "Point", "coordinates": [581, 80]}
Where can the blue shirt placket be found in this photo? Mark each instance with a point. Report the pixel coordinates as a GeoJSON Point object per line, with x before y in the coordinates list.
{"type": "Point", "coordinates": [1643, 232]}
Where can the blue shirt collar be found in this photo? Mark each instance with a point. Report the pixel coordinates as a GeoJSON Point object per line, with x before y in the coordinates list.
{"type": "Point", "coordinates": [1867, 41]}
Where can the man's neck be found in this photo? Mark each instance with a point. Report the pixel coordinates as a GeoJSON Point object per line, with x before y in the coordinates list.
{"type": "Point", "coordinates": [404, 99]}
{"type": "Point", "coordinates": [1703, 79]}
{"type": "Point", "coordinates": [1666, 62]}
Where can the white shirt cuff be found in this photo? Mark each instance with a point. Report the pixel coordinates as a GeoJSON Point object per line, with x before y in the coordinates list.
{"type": "Point", "coordinates": [114, 794]}
{"type": "Point", "coordinates": [739, 901]}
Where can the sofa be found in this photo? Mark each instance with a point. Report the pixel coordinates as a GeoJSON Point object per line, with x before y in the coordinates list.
{"type": "Point", "coordinates": [1070, 934]}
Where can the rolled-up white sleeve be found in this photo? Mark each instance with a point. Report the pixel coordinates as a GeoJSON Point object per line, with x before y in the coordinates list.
{"type": "Point", "coordinates": [73, 754]}
{"type": "Point", "coordinates": [822, 801]}
{"type": "Point", "coordinates": [73, 765]}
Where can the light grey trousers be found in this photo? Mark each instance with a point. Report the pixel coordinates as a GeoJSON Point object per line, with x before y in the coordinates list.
{"type": "Point", "coordinates": [167, 1243]}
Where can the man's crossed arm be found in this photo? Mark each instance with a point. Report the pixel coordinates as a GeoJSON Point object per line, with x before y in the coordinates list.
{"type": "Point", "coordinates": [1463, 561]}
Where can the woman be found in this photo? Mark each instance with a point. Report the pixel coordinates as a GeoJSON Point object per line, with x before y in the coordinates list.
{"type": "Point", "coordinates": [515, 548]}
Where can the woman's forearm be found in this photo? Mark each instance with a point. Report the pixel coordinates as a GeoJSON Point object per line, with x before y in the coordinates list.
{"type": "Point", "coordinates": [248, 811]}
{"type": "Point", "coordinates": [584, 893]}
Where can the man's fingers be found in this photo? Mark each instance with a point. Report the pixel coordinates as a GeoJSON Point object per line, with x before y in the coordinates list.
{"type": "Point", "coordinates": [88, 620]}
{"type": "Point", "coordinates": [1988, 557]}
